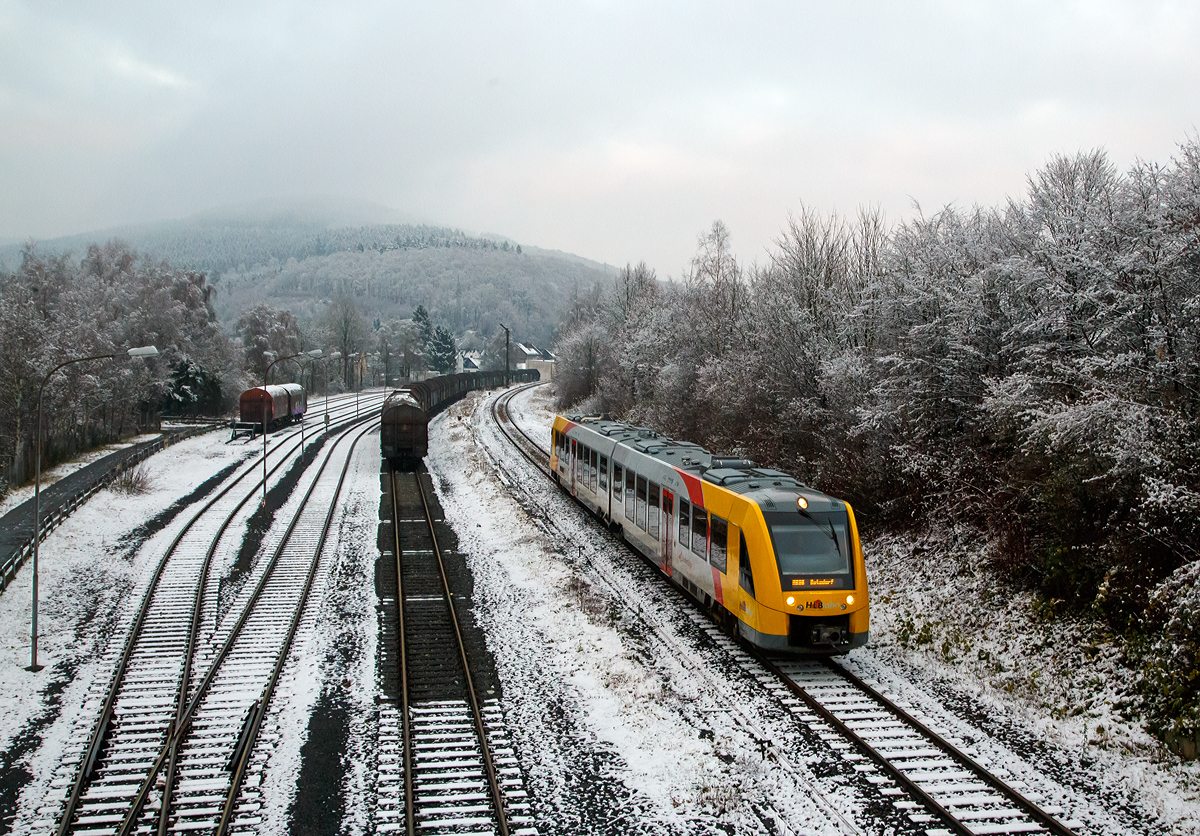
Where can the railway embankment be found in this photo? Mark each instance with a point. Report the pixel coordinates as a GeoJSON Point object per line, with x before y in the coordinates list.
{"type": "Point", "coordinates": [60, 498]}
{"type": "Point", "coordinates": [1046, 680]}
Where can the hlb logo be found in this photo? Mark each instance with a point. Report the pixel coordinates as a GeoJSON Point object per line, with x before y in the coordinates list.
{"type": "Point", "coordinates": [814, 605]}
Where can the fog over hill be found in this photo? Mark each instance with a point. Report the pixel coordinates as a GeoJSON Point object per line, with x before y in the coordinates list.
{"type": "Point", "coordinates": [300, 256]}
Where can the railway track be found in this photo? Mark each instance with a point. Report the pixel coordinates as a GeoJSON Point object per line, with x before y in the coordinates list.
{"type": "Point", "coordinates": [446, 765]}
{"type": "Point", "coordinates": [146, 712]}
{"type": "Point", "coordinates": [948, 792]}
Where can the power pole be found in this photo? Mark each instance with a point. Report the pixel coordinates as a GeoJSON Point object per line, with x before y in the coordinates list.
{"type": "Point", "coordinates": [506, 366]}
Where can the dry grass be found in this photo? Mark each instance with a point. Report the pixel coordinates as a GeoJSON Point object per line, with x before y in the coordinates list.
{"type": "Point", "coordinates": [132, 480]}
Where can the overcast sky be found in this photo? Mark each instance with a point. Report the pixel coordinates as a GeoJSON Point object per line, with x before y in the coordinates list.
{"type": "Point", "coordinates": [615, 130]}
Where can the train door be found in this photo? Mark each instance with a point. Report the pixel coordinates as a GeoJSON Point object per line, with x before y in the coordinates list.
{"type": "Point", "coordinates": [574, 465]}
{"type": "Point", "coordinates": [665, 530]}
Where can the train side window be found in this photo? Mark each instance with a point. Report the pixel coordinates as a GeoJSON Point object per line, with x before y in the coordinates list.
{"type": "Point", "coordinates": [583, 465]}
{"type": "Point", "coordinates": [745, 573]}
{"type": "Point", "coordinates": [652, 512]}
{"type": "Point", "coordinates": [618, 479]}
{"type": "Point", "coordinates": [699, 531]}
{"type": "Point", "coordinates": [685, 522]}
{"type": "Point", "coordinates": [630, 476]}
{"type": "Point", "coordinates": [604, 473]}
{"type": "Point", "coordinates": [641, 503]}
{"type": "Point", "coordinates": [594, 469]}
{"type": "Point", "coordinates": [718, 551]}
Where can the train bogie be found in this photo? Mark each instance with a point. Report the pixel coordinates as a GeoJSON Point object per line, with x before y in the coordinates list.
{"type": "Point", "coordinates": [779, 561]}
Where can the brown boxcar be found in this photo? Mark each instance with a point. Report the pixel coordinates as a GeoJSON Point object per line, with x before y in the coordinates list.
{"type": "Point", "coordinates": [267, 407]}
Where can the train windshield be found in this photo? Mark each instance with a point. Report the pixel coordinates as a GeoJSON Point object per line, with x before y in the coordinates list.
{"type": "Point", "coordinates": [813, 549]}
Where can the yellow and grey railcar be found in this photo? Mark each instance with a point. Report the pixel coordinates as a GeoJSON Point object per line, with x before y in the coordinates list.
{"type": "Point", "coordinates": [775, 559]}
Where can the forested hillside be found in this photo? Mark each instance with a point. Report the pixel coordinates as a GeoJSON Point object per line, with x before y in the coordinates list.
{"type": "Point", "coordinates": [1030, 371]}
{"type": "Point", "coordinates": [472, 285]}
{"type": "Point", "coordinates": [296, 261]}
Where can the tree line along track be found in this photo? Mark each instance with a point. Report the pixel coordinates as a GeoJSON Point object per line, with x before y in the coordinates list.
{"type": "Point", "coordinates": [145, 712]}
{"type": "Point", "coordinates": [949, 791]}
{"type": "Point", "coordinates": [456, 770]}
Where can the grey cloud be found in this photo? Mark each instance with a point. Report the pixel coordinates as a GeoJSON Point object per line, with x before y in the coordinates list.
{"type": "Point", "coordinates": [615, 130]}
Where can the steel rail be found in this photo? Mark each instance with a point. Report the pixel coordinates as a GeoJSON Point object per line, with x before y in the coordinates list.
{"type": "Point", "coordinates": [96, 741]}
{"type": "Point", "coordinates": [259, 711]}
{"type": "Point", "coordinates": [472, 699]}
{"type": "Point", "coordinates": [1028, 807]}
{"type": "Point", "coordinates": [540, 460]}
{"type": "Point", "coordinates": [180, 728]}
{"type": "Point", "coordinates": [405, 719]}
{"type": "Point", "coordinates": [504, 422]}
{"type": "Point", "coordinates": [197, 613]}
{"type": "Point", "coordinates": [928, 801]}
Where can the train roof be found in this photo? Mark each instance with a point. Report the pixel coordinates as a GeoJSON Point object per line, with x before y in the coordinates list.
{"type": "Point", "coordinates": [771, 489]}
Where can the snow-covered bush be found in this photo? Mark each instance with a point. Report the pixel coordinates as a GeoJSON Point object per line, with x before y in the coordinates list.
{"type": "Point", "coordinates": [1172, 661]}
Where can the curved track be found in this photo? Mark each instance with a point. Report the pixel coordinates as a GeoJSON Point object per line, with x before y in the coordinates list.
{"type": "Point", "coordinates": [957, 794]}
{"type": "Point", "coordinates": [456, 770]}
{"type": "Point", "coordinates": [145, 710]}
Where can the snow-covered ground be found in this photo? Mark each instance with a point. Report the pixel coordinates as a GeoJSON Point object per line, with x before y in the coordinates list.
{"type": "Point", "coordinates": [16, 496]}
{"type": "Point", "coordinates": [89, 568]}
{"type": "Point", "coordinates": [626, 714]}
{"type": "Point", "coordinates": [941, 619]}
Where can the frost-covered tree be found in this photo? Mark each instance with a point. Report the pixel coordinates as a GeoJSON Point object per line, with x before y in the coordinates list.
{"type": "Point", "coordinates": [424, 325]}
{"type": "Point", "coordinates": [56, 308]}
{"type": "Point", "coordinates": [347, 330]}
{"type": "Point", "coordinates": [442, 351]}
{"type": "Point", "coordinates": [266, 335]}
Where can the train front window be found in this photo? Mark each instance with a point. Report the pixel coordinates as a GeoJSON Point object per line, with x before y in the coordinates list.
{"type": "Point", "coordinates": [813, 550]}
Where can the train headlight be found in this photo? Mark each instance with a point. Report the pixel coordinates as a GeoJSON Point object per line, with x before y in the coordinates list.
{"type": "Point", "coordinates": [849, 599]}
{"type": "Point", "coordinates": [801, 503]}
{"type": "Point", "coordinates": [791, 600]}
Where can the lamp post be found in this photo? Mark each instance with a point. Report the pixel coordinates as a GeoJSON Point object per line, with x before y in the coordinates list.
{"type": "Point", "coordinates": [505, 327]}
{"type": "Point", "coordinates": [146, 351]}
{"type": "Point", "coordinates": [313, 356]}
{"type": "Point", "coordinates": [354, 378]}
{"type": "Point", "coordinates": [266, 381]}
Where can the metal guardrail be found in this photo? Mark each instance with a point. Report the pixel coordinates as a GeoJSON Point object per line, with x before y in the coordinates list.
{"type": "Point", "coordinates": [13, 563]}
